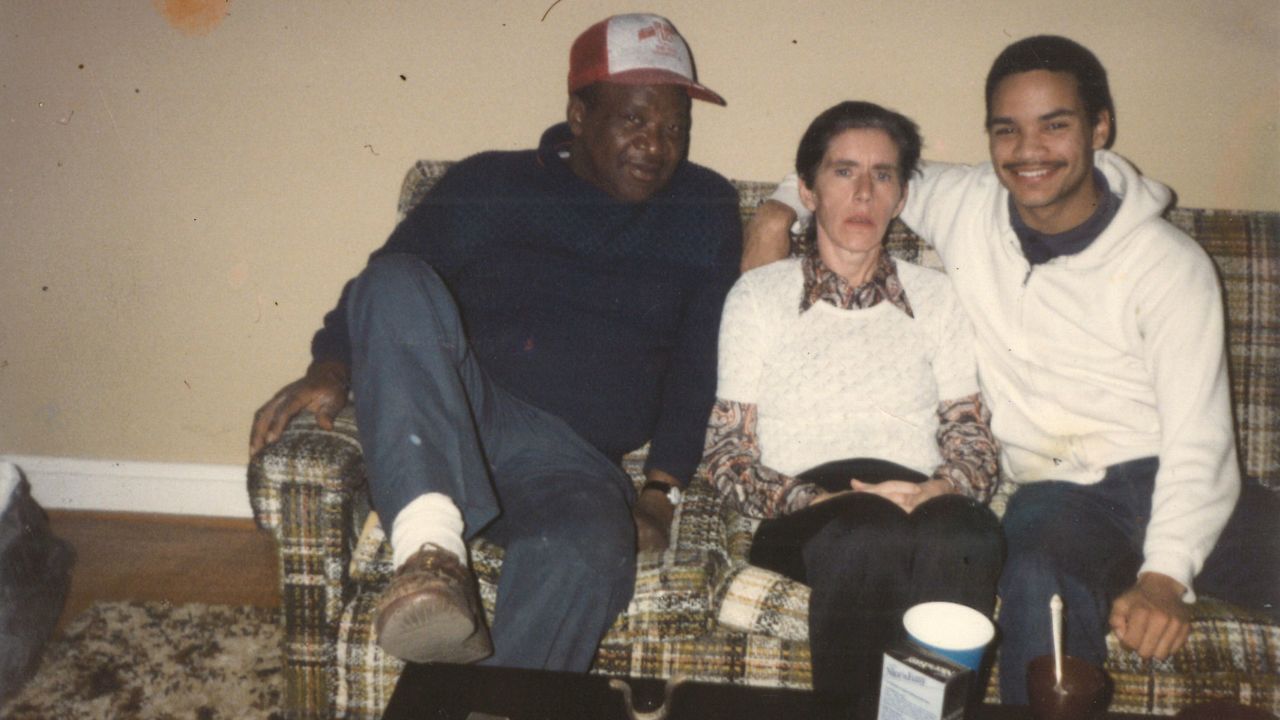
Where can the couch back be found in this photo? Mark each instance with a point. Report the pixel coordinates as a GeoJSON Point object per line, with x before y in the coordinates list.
{"type": "Point", "coordinates": [1244, 245]}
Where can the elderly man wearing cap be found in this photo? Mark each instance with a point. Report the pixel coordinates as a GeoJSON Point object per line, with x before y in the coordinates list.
{"type": "Point", "coordinates": [540, 314]}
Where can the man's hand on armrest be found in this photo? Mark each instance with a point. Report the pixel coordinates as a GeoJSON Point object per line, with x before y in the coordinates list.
{"type": "Point", "coordinates": [323, 391]}
{"type": "Point", "coordinates": [654, 511]}
{"type": "Point", "coordinates": [1150, 618]}
{"type": "Point", "coordinates": [768, 236]}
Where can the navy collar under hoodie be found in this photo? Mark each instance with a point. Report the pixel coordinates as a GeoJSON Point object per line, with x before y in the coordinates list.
{"type": "Point", "coordinates": [1041, 247]}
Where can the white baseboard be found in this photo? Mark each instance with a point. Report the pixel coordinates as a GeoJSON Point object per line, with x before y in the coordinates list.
{"type": "Point", "coordinates": [145, 487]}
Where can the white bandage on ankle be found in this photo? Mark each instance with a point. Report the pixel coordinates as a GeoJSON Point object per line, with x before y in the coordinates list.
{"type": "Point", "coordinates": [430, 518]}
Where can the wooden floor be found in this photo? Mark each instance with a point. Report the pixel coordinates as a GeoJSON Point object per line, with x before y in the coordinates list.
{"type": "Point", "coordinates": [182, 559]}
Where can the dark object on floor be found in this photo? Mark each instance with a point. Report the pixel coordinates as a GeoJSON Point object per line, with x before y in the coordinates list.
{"type": "Point", "coordinates": [1223, 710]}
{"type": "Point", "coordinates": [35, 574]}
{"type": "Point", "coordinates": [440, 691]}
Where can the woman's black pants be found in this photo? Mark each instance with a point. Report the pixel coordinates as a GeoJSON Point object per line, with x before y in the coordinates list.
{"type": "Point", "coordinates": [867, 561]}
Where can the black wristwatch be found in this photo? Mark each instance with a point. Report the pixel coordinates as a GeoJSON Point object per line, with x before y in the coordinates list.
{"type": "Point", "coordinates": [673, 493]}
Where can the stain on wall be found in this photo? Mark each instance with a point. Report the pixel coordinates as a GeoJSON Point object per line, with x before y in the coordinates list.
{"type": "Point", "coordinates": [193, 17]}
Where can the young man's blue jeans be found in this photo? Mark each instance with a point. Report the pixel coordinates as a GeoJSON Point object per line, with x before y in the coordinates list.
{"type": "Point", "coordinates": [430, 420]}
{"type": "Point", "coordinates": [1084, 542]}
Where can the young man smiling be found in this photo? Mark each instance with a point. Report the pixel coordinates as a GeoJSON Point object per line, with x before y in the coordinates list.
{"type": "Point", "coordinates": [1101, 352]}
{"type": "Point", "coordinates": [538, 315]}
{"type": "Point", "coordinates": [1042, 138]}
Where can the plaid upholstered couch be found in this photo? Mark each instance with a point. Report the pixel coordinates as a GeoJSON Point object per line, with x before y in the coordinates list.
{"type": "Point", "coordinates": [699, 609]}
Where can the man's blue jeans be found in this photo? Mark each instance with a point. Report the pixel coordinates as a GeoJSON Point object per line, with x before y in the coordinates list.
{"type": "Point", "coordinates": [430, 420]}
{"type": "Point", "coordinates": [1084, 542]}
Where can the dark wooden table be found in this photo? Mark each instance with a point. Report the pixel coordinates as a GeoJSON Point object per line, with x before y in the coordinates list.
{"type": "Point", "coordinates": [452, 692]}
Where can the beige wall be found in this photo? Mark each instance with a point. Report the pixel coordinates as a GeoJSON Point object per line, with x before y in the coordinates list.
{"type": "Point", "coordinates": [177, 211]}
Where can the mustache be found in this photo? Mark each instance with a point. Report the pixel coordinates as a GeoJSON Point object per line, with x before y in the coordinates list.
{"type": "Point", "coordinates": [1016, 166]}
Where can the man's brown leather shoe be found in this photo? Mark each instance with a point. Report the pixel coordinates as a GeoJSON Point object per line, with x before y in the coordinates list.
{"type": "Point", "coordinates": [431, 611]}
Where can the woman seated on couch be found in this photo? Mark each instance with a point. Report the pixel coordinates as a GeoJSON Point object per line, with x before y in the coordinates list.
{"type": "Point", "coordinates": [848, 412]}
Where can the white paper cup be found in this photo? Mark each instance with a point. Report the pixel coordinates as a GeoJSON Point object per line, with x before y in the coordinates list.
{"type": "Point", "coordinates": [951, 630]}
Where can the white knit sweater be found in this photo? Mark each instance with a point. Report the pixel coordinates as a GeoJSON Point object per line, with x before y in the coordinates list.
{"type": "Point", "coordinates": [831, 384]}
{"type": "Point", "coordinates": [1109, 355]}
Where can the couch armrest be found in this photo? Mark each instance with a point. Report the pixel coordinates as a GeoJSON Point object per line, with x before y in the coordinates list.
{"type": "Point", "coordinates": [673, 591]}
{"type": "Point", "coordinates": [301, 489]}
{"type": "Point", "coordinates": [699, 522]}
{"type": "Point", "coordinates": [753, 600]}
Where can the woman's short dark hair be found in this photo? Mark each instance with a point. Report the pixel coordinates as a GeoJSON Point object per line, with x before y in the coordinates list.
{"type": "Point", "coordinates": [858, 115]}
{"type": "Point", "coordinates": [1057, 54]}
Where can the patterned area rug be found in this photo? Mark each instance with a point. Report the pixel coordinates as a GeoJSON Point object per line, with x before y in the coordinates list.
{"type": "Point", "coordinates": [156, 661]}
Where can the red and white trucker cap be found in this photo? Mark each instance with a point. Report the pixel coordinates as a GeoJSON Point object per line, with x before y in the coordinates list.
{"type": "Point", "coordinates": [636, 49]}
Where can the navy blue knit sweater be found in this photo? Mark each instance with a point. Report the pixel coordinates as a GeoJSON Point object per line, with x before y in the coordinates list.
{"type": "Point", "coordinates": [604, 313]}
